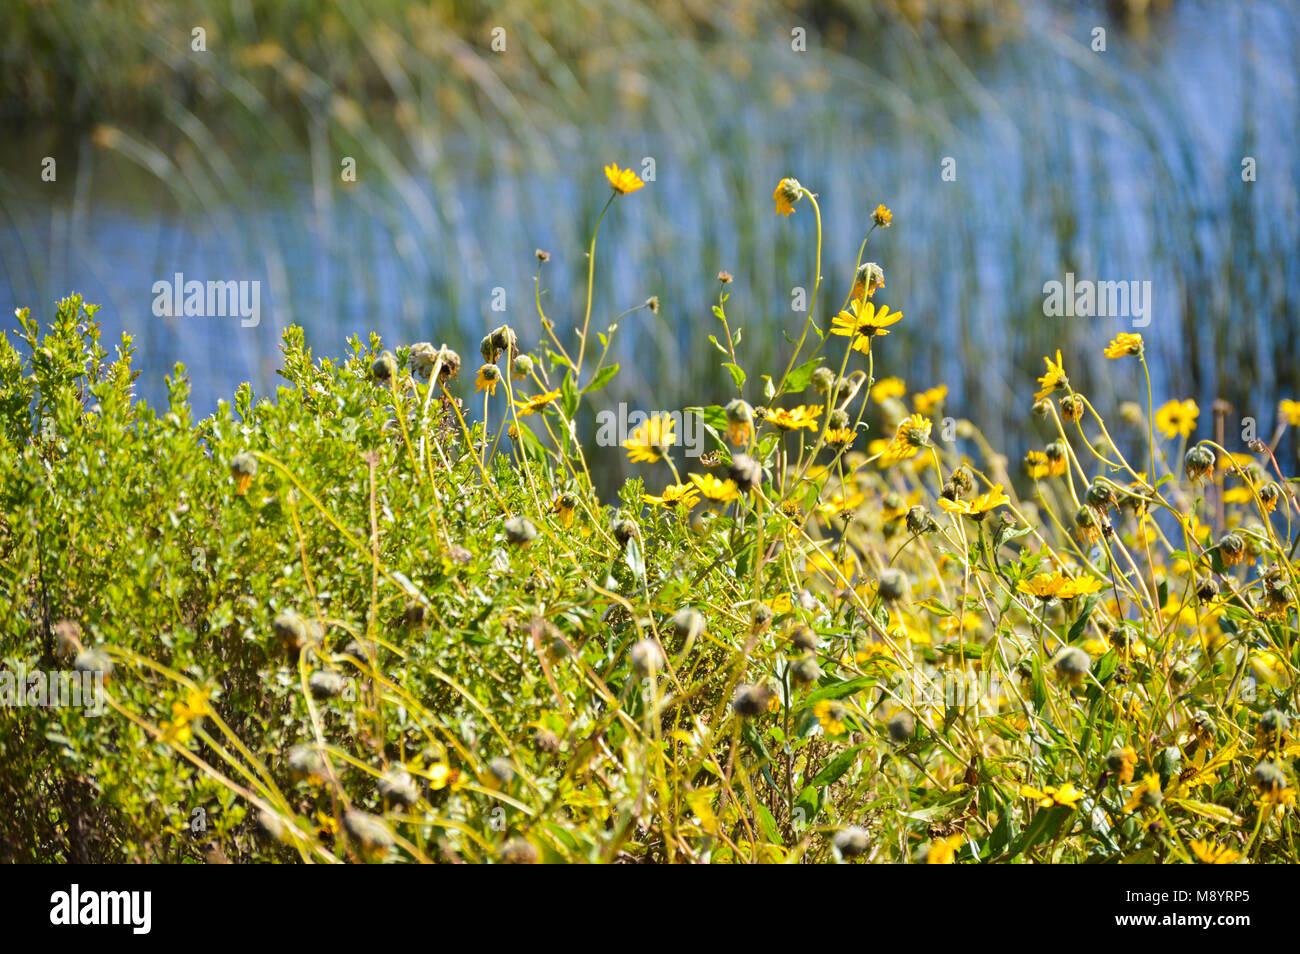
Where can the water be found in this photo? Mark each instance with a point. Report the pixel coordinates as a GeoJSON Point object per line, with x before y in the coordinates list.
{"type": "Point", "coordinates": [1120, 165]}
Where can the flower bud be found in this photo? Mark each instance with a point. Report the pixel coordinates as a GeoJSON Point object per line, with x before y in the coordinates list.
{"type": "Point", "coordinates": [1198, 462]}
{"type": "Point", "coordinates": [520, 531]}
{"type": "Point", "coordinates": [893, 585]}
{"type": "Point", "coordinates": [746, 473]}
{"type": "Point", "coordinates": [751, 701]}
{"type": "Point", "coordinates": [646, 657]}
{"type": "Point", "coordinates": [851, 842]}
{"type": "Point", "coordinates": [901, 726]}
{"type": "Point", "coordinates": [384, 367]}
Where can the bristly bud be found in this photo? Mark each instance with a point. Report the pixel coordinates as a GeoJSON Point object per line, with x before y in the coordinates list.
{"type": "Point", "coordinates": [623, 530]}
{"type": "Point", "coordinates": [751, 701]}
{"type": "Point", "coordinates": [521, 367]}
{"type": "Point", "coordinates": [520, 531]}
{"type": "Point", "coordinates": [92, 661]}
{"type": "Point", "coordinates": [1207, 589]}
{"type": "Point", "coordinates": [1100, 496]}
{"type": "Point", "coordinates": [502, 771]}
{"type": "Point", "coordinates": [1268, 778]}
{"type": "Point", "coordinates": [901, 726]}
{"type": "Point", "coordinates": [646, 657]}
{"type": "Point", "coordinates": [542, 255]}
{"type": "Point", "coordinates": [740, 422]}
{"type": "Point", "coordinates": [423, 357]}
{"type": "Point", "coordinates": [688, 624]}
{"type": "Point", "coordinates": [1199, 462]}
{"type": "Point", "coordinates": [725, 277]}
{"type": "Point", "coordinates": [803, 638]}
{"type": "Point", "coordinates": [1232, 549]}
{"type": "Point", "coordinates": [384, 367]}
{"type": "Point", "coordinates": [1071, 407]}
{"type": "Point", "coordinates": [326, 684]}
{"type": "Point", "coordinates": [397, 787]}
{"type": "Point", "coordinates": [851, 842]}
{"type": "Point", "coordinates": [653, 304]}
{"type": "Point", "coordinates": [893, 585]}
{"type": "Point", "coordinates": [243, 467]}
{"type": "Point", "coordinates": [805, 671]}
{"type": "Point", "coordinates": [519, 851]}
{"type": "Point", "coordinates": [823, 379]}
{"type": "Point", "coordinates": [919, 520]}
{"type": "Point", "coordinates": [746, 473]}
{"type": "Point", "coordinates": [370, 832]}
{"type": "Point", "coordinates": [1072, 664]}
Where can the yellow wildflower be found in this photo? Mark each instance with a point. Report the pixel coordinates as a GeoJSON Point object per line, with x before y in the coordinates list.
{"type": "Point", "coordinates": [622, 180]}
{"type": "Point", "coordinates": [1209, 853]}
{"type": "Point", "coordinates": [790, 419]}
{"type": "Point", "coordinates": [675, 494]}
{"type": "Point", "coordinates": [943, 851]}
{"type": "Point", "coordinates": [651, 440]}
{"type": "Point", "coordinates": [1123, 345]}
{"type": "Point", "coordinates": [929, 401]}
{"type": "Point", "coordinates": [534, 404]}
{"type": "Point", "coordinates": [863, 321]}
{"type": "Point", "coordinates": [1054, 379]}
{"type": "Point", "coordinates": [487, 379]}
{"type": "Point", "coordinates": [1177, 419]}
{"type": "Point", "coordinates": [887, 388]}
{"type": "Point", "coordinates": [1050, 795]}
{"type": "Point", "coordinates": [787, 192]}
{"type": "Point", "coordinates": [719, 491]}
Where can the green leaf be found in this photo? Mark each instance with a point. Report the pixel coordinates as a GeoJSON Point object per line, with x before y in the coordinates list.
{"type": "Point", "coordinates": [837, 767]}
{"type": "Point", "coordinates": [737, 373]}
{"type": "Point", "coordinates": [602, 378]}
{"type": "Point", "coordinates": [713, 415]}
{"type": "Point", "coordinates": [839, 690]}
{"type": "Point", "coordinates": [799, 378]}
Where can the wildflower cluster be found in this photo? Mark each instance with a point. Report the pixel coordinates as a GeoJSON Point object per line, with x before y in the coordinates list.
{"type": "Point", "coordinates": [385, 616]}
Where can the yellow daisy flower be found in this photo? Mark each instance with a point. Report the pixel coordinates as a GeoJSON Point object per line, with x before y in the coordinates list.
{"type": "Point", "coordinates": [1054, 379]}
{"type": "Point", "coordinates": [863, 321]}
{"type": "Point", "coordinates": [651, 440]}
{"type": "Point", "coordinates": [622, 180]}
{"type": "Point", "coordinates": [808, 415]}
{"type": "Point", "coordinates": [675, 494]}
{"type": "Point", "coordinates": [1290, 410]}
{"type": "Point", "coordinates": [534, 404]}
{"type": "Point", "coordinates": [1043, 586]}
{"type": "Point", "coordinates": [487, 379]}
{"type": "Point", "coordinates": [1177, 419]}
{"type": "Point", "coordinates": [719, 491]}
{"type": "Point", "coordinates": [977, 507]}
{"type": "Point", "coordinates": [943, 851]}
{"type": "Point", "coordinates": [1123, 345]}
{"type": "Point", "coordinates": [887, 388]}
{"type": "Point", "coordinates": [912, 434]}
{"type": "Point", "coordinates": [929, 401]}
{"type": "Point", "coordinates": [788, 191]}
{"type": "Point", "coordinates": [1050, 795]}
{"type": "Point", "coordinates": [1209, 853]}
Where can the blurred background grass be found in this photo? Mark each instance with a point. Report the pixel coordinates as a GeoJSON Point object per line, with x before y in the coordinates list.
{"type": "Point", "coordinates": [224, 165]}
